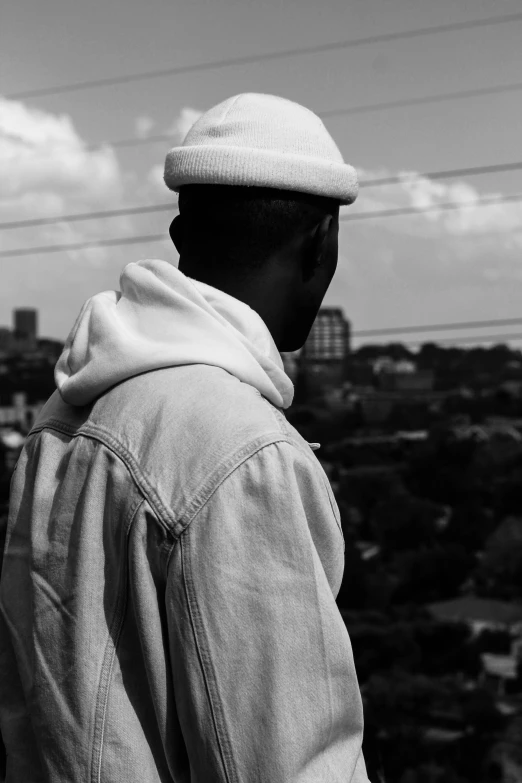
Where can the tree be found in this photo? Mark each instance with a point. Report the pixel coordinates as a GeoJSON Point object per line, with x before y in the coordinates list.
{"type": "Point", "coordinates": [469, 525]}
{"type": "Point", "coordinates": [480, 712]}
{"type": "Point", "coordinates": [446, 648]}
{"type": "Point", "coordinates": [365, 487]}
{"type": "Point", "coordinates": [433, 573]}
{"type": "Point", "coordinates": [405, 522]}
{"type": "Point", "coordinates": [379, 649]}
{"type": "Point", "coordinates": [499, 574]}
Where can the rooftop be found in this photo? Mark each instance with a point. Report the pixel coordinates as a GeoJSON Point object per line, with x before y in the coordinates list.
{"type": "Point", "coordinates": [475, 609]}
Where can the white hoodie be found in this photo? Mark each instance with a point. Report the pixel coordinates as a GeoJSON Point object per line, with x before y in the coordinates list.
{"type": "Point", "coordinates": [162, 318]}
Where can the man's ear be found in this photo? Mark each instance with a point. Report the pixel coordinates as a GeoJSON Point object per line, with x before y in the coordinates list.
{"type": "Point", "coordinates": [316, 247]}
{"type": "Point", "coordinates": [176, 233]}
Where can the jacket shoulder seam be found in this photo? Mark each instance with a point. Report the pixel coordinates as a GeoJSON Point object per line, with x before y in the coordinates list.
{"type": "Point", "coordinates": [235, 466]}
{"type": "Point", "coordinates": [215, 481]}
{"type": "Point", "coordinates": [281, 439]}
{"type": "Point", "coordinates": [278, 416]}
{"type": "Point", "coordinates": [204, 492]}
{"type": "Point", "coordinates": [116, 447]}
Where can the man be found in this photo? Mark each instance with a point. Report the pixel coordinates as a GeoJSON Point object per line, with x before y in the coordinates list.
{"type": "Point", "coordinates": [174, 549]}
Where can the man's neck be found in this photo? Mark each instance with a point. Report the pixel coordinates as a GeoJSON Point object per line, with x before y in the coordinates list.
{"type": "Point", "coordinates": [261, 293]}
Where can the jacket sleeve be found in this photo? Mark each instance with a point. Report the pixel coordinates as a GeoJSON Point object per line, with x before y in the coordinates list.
{"type": "Point", "coordinates": [263, 672]}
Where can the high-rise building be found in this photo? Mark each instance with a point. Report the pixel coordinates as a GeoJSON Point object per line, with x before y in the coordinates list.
{"type": "Point", "coordinates": [6, 339]}
{"type": "Point", "coordinates": [26, 323]}
{"type": "Point", "coordinates": [324, 355]}
{"type": "Point", "coordinates": [329, 338]}
{"type": "Point", "coordinates": [26, 328]}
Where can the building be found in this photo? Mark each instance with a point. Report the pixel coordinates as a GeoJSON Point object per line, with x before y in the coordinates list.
{"type": "Point", "coordinates": [325, 354]}
{"type": "Point", "coordinates": [26, 327]}
{"type": "Point", "coordinates": [25, 322]}
{"type": "Point", "coordinates": [20, 413]}
{"type": "Point", "coordinates": [402, 376]}
{"type": "Point", "coordinates": [480, 613]}
{"type": "Point", "coordinates": [6, 340]}
{"type": "Point", "coordinates": [11, 442]}
{"type": "Point", "coordinates": [23, 338]}
{"type": "Point", "coordinates": [329, 338]}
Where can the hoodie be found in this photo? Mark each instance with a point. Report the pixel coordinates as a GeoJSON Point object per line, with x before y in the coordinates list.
{"type": "Point", "coordinates": [162, 318]}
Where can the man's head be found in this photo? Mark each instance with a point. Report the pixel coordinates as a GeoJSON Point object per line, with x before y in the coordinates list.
{"type": "Point", "coordinates": [260, 183]}
{"type": "Point", "coordinates": [274, 249]}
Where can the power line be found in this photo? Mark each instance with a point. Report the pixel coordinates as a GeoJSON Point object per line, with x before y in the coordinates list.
{"type": "Point", "coordinates": [88, 216]}
{"type": "Point", "coordinates": [488, 338]}
{"type": "Point", "coordinates": [438, 327]}
{"type": "Point", "coordinates": [421, 100]}
{"type": "Point", "coordinates": [24, 251]}
{"type": "Point", "coordinates": [27, 251]}
{"type": "Point", "coordinates": [448, 206]}
{"type": "Point", "coordinates": [444, 174]}
{"type": "Point", "coordinates": [166, 138]}
{"type": "Point", "coordinates": [132, 141]}
{"type": "Point", "coordinates": [285, 53]}
{"type": "Point", "coordinates": [166, 207]}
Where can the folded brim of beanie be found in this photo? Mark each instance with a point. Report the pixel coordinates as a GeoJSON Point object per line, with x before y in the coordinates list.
{"type": "Point", "coordinates": [214, 165]}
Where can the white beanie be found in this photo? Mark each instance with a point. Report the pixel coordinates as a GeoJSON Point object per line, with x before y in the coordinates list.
{"type": "Point", "coordinates": [262, 141]}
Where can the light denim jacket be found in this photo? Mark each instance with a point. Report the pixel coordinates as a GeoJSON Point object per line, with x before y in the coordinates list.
{"type": "Point", "coordinates": [168, 590]}
{"type": "Point", "coordinates": [173, 553]}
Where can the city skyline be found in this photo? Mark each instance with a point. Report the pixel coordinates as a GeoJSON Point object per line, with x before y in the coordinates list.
{"type": "Point", "coordinates": [381, 337]}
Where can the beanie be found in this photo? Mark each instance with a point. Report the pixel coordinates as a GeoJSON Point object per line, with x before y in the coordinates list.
{"type": "Point", "coordinates": [262, 141]}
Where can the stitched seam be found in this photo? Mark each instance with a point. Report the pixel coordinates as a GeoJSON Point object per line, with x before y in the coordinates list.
{"type": "Point", "coordinates": [325, 658]}
{"type": "Point", "coordinates": [144, 486]}
{"type": "Point", "coordinates": [229, 472]}
{"type": "Point", "coordinates": [120, 451]}
{"type": "Point", "coordinates": [278, 417]}
{"type": "Point", "coordinates": [206, 666]}
{"type": "Point", "coordinates": [207, 489]}
{"type": "Point", "coordinates": [232, 469]}
{"type": "Point", "coordinates": [109, 655]}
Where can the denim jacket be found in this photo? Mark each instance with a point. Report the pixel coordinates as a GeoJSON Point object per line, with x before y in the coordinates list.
{"type": "Point", "coordinates": [167, 598]}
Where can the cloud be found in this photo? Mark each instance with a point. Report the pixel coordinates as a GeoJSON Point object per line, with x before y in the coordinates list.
{"type": "Point", "coordinates": [143, 126]}
{"type": "Point", "coordinates": [434, 266]}
{"type": "Point", "coordinates": [42, 153]}
{"type": "Point", "coordinates": [472, 220]}
{"type": "Point", "coordinates": [48, 169]}
{"type": "Point", "coordinates": [179, 129]}
{"type": "Point", "coordinates": [184, 122]}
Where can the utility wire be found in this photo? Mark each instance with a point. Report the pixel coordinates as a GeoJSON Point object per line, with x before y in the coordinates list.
{"type": "Point", "coordinates": [25, 251]}
{"type": "Point", "coordinates": [45, 221]}
{"type": "Point", "coordinates": [438, 327]}
{"type": "Point", "coordinates": [451, 205]}
{"type": "Point", "coordinates": [132, 141]}
{"type": "Point", "coordinates": [489, 338]}
{"type": "Point", "coordinates": [166, 138]}
{"type": "Point", "coordinates": [166, 207]}
{"type": "Point", "coordinates": [421, 100]}
{"type": "Point", "coordinates": [444, 174]}
{"type": "Point", "coordinates": [285, 53]}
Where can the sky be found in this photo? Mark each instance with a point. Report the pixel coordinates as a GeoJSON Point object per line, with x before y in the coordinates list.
{"type": "Point", "coordinates": [56, 157]}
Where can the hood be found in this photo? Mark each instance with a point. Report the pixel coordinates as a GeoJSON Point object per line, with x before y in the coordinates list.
{"type": "Point", "coordinates": [162, 318]}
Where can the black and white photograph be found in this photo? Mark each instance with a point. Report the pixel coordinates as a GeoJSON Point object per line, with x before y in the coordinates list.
{"type": "Point", "coordinates": [261, 391]}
